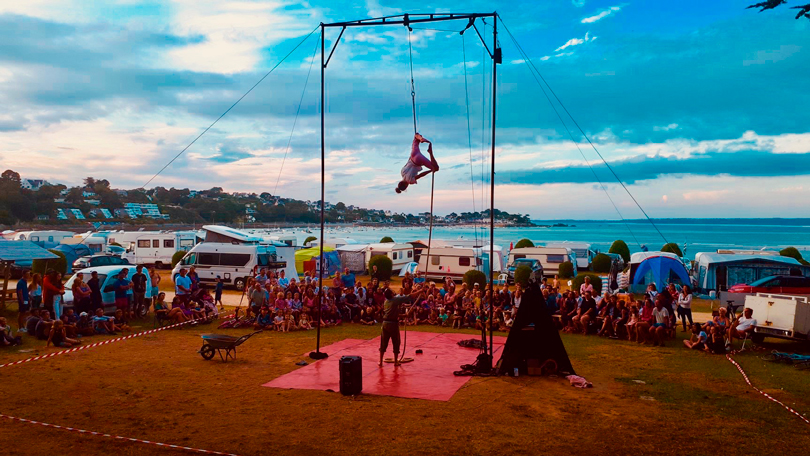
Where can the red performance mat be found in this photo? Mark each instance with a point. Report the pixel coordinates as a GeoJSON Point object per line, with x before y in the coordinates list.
{"type": "Point", "coordinates": [429, 376]}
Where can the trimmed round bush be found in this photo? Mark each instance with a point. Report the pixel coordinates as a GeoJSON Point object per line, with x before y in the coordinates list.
{"type": "Point", "coordinates": [57, 264]}
{"type": "Point", "coordinates": [672, 248]}
{"type": "Point", "coordinates": [178, 255]}
{"type": "Point", "coordinates": [386, 239]}
{"type": "Point", "coordinates": [524, 243]}
{"type": "Point", "coordinates": [601, 263]}
{"type": "Point", "coordinates": [384, 266]}
{"type": "Point", "coordinates": [472, 277]}
{"type": "Point", "coordinates": [522, 274]}
{"type": "Point", "coordinates": [310, 239]}
{"type": "Point", "coordinates": [566, 270]}
{"type": "Point", "coordinates": [793, 252]}
{"type": "Point", "coordinates": [596, 281]}
{"type": "Point", "coordinates": [620, 247]}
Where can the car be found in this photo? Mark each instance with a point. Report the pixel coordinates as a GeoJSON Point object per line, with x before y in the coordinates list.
{"type": "Point", "coordinates": [780, 284]}
{"type": "Point", "coordinates": [99, 259]}
{"type": "Point", "coordinates": [533, 264]}
{"type": "Point", "coordinates": [106, 276]}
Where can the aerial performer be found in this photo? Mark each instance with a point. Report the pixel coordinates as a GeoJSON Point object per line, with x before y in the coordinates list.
{"type": "Point", "coordinates": [412, 171]}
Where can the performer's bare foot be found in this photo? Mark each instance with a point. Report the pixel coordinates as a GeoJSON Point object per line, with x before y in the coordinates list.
{"type": "Point", "coordinates": [381, 364]}
{"type": "Point", "coordinates": [396, 364]}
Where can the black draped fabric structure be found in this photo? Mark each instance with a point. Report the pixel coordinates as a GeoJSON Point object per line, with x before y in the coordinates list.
{"type": "Point", "coordinates": [533, 336]}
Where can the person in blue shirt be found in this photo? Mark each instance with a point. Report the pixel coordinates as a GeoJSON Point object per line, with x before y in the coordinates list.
{"type": "Point", "coordinates": [218, 293]}
{"type": "Point", "coordinates": [348, 279]}
{"type": "Point", "coordinates": [182, 286]}
{"type": "Point", "coordinates": [23, 300]}
{"type": "Point", "coordinates": [283, 282]}
{"type": "Point", "coordinates": [122, 287]}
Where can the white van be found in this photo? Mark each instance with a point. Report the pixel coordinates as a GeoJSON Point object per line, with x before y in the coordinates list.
{"type": "Point", "coordinates": [550, 257]}
{"type": "Point", "coordinates": [581, 249]}
{"type": "Point", "coordinates": [147, 247]}
{"type": "Point", "coordinates": [231, 254]}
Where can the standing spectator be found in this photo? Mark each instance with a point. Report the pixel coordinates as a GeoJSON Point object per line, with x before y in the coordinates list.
{"type": "Point", "coordinates": [121, 286]}
{"type": "Point", "coordinates": [23, 300]}
{"type": "Point", "coordinates": [95, 292]}
{"type": "Point", "coordinates": [81, 294]}
{"type": "Point", "coordinates": [154, 276]}
{"type": "Point", "coordinates": [139, 292]}
{"type": "Point", "coordinates": [35, 291]}
{"type": "Point", "coordinates": [182, 286]}
{"type": "Point", "coordinates": [685, 306]}
{"type": "Point", "coordinates": [51, 288]}
{"type": "Point", "coordinates": [218, 293]}
{"type": "Point", "coordinates": [195, 279]}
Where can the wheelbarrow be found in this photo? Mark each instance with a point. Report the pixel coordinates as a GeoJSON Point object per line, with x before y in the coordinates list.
{"type": "Point", "coordinates": [216, 343]}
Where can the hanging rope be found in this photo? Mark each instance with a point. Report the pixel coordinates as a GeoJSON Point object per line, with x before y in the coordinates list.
{"type": "Point", "coordinates": [469, 132]}
{"type": "Point", "coordinates": [413, 87]}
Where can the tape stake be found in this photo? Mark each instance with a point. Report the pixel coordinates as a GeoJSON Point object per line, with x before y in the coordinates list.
{"type": "Point", "coordinates": [747, 380]}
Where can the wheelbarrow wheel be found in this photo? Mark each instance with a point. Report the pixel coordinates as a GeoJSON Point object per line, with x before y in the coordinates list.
{"type": "Point", "coordinates": [207, 352]}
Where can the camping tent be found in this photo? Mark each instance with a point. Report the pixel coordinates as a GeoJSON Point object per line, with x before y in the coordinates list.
{"type": "Point", "coordinates": [533, 338]}
{"type": "Point", "coordinates": [305, 260]}
{"type": "Point", "coordinates": [717, 271]}
{"type": "Point", "coordinates": [353, 256]}
{"type": "Point", "coordinates": [659, 268]}
{"type": "Point", "coordinates": [72, 253]}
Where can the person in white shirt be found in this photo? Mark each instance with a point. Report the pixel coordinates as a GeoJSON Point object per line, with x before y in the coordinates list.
{"type": "Point", "coordinates": [743, 325]}
{"type": "Point", "coordinates": [685, 306]}
{"type": "Point", "coordinates": [659, 328]}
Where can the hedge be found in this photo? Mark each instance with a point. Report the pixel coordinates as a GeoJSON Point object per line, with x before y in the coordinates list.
{"type": "Point", "coordinates": [672, 248]}
{"type": "Point", "coordinates": [57, 264]}
{"type": "Point", "coordinates": [596, 281]}
{"type": "Point", "coordinates": [178, 255]}
{"type": "Point", "coordinates": [309, 239]}
{"type": "Point", "coordinates": [386, 239]}
{"type": "Point", "coordinates": [524, 243]}
{"type": "Point", "coordinates": [522, 274]}
{"type": "Point", "coordinates": [793, 252]}
{"type": "Point", "coordinates": [384, 266]}
{"type": "Point", "coordinates": [601, 263]}
{"type": "Point", "coordinates": [472, 277]}
{"type": "Point", "coordinates": [566, 270]}
{"type": "Point", "coordinates": [620, 247]}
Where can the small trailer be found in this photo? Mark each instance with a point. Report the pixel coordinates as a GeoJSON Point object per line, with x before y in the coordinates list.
{"type": "Point", "coordinates": [781, 316]}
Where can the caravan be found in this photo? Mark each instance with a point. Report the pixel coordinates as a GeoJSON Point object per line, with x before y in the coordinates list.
{"type": "Point", "coordinates": [454, 262]}
{"type": "Point", "coordinates": [147, 247]}
{"type": "Point", "coordinates": [581, 249]}
{"type": "Point", "coordinates": [46, 238]}
{"type": "Point", "coordinates": [549, 257]}
{"type": "Point", "coordinates": [230, 254]}
{"type": "Point", "coordinates": [400, 254]}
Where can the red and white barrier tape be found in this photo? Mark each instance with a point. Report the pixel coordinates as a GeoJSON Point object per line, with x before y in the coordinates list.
{"type": "Point", "coordinates": [747, 380]}
{"type": "Point", "coordinates": [98, 344]}
{"type": "Point", "coordinates": [117, 437]}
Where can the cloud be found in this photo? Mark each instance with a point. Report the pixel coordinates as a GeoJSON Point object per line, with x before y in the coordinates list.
{"type": "Point", "coordinates": [578, 3]}
{"type": "Point", "coordinates": [703, 196]}
{"type": "Point", "coordinates": [672, 126]}
{"type": "Point", "coordinates": [601, 15]}
{"type": "Point", "coordinates": [576, 42]}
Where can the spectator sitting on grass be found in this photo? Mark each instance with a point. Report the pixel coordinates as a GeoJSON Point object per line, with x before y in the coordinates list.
{"type": "Point", "coordinates": [70, 319]}
{"type": "Point", "coordinates": [6, 335]}
{"type": "Point", "coordinates": [121, 323]}
{"type": "Point", "coordinates": [44, 325]}
{"type": "Point", "coordinates": [103, 324]}
{"type": "Point", "coordinates": [743, 326]}
{"type": "Point", "coordinates": [84, 325]}
{"type": "Point", "coordinates": [661, 316]}
{"type": "Point", "coordinates": [586, 312]}
{"type": "Point", "coordinates": [698, 339]}
{"type": "Point", "coordinates": [58, 337]}
{"type": "Point", "coordinates": [31, 322]}
{"type": "Point", "coordinates": [264, 320]}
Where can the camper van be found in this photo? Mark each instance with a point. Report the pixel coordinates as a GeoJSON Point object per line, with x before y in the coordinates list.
{"type": "Point", "coordinates": [47, 238]}
{"type": "Point", "coordinates": [549, 257]}
{"type": "Point", "coordinates": [400, 254]}
{"type": "Point", "coordinates": [332, 242]}
{"type": "Point", "coordinates": [453, 262]}
{"type": "Point", "coordinates": [147, 247]}
{"type": "Point", "coordinates": [582, 250]}
{"type": "Point", "coordinates": [231, 254]}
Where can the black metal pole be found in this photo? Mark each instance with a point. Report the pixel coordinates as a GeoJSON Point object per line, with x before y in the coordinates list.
{"type": "Point", "coordinates": [317, 353]}
{"type": "Point", "coordinates": [492, 189]}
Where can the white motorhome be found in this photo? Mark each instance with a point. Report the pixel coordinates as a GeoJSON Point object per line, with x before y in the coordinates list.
{"type": "Point", "coordinates": [782, 316]}
{"type": "Point", "coordinates": [332, 242]}
{"type": "Point", "coordinates": [453, 262]}
{"type": "Point", "coordinates": [147, 247]}
{"type": "Point", "coordinates": [231, 254]}
{"type": "Point", "coordinates": [400, 254]}
{"type": "Point", "coordinates": [43, 238]}
{"type": "Point", "coordinates": [550, 257]}
{"type": "Point", "coordinates": [581, 249]}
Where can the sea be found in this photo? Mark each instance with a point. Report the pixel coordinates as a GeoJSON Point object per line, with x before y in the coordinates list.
{"type": "Point", "coordinates": [691, 235]}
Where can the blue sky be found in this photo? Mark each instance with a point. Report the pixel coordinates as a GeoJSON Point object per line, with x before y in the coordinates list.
{"type": "Point", "coordinates": [699, 107]}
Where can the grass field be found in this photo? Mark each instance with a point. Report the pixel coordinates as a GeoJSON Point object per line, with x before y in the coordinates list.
{"type": "Point", "coordinates": [157, 387]}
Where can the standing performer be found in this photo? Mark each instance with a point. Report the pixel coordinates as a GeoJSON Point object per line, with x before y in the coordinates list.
{"type": "Point", "coordinates": [390, 325]}
{"type": "Point", "coordinates": [411, 170]}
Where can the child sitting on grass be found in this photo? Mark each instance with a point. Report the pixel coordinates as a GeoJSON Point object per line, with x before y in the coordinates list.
{"type": "Point", "coordinates": [58, 337]}
{"type": "Point", "coordinates": [264, 320]}
{"type": "Point", "coordinates": [121, 323]}
{"type": "Point", "coordinates": [303, 322]}
{"type": "Point", "coordinates": [70, 319]}
{"type": "Point", "coordinates": [289, 322]}
{"type": "Point", "coordinates": [698, 339]}
{"type": "Point", "coordinates": [84, 325]}
{"type": "Point", "coordinates": [6, 335]}
{"type": "Point", "coordinates": [278, 322]}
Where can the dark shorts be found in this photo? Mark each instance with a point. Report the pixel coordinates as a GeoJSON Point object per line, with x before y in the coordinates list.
{"type": "Point", "coordinates": [659, 325]}
{"type": "Point", "coordinates": [122, 303]}
{"type": "Point", "coordinates": [390, 331]}
{"type": "Point", "coordinates": [25, 308]}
